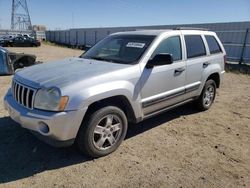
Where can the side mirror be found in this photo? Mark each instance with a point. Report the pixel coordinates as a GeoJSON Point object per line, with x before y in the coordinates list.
{"type": "Point", "coordinates": [159, 60]}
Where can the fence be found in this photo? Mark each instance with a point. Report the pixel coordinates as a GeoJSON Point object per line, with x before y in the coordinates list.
{"type": "Point", "coordinates": [234, 36]}
{"type": "Point", "coordinates": [237, 45]}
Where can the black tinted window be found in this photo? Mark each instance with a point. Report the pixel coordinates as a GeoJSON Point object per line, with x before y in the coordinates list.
{"type": "Point", "coordinates": [171, 45]}
{"type": "Point", "coordinates": [195, 46]}
{"type": "Point", "coordinates": [213, 45]}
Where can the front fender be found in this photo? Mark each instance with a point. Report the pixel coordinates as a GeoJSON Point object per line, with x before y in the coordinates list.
{"type": "Point", "coordinates": [88, 96]}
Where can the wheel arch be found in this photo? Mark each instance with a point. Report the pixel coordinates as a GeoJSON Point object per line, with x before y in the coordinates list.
{"type": "Point", "coordinates": [119, 101]}
{"type": "Point", "coordinates": [216, 77]}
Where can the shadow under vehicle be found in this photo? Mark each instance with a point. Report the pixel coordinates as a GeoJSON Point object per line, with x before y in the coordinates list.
{"type": "Point", "coordinates": [11, 62]}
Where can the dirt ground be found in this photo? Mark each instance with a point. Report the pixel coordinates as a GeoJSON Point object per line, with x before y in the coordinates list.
{"type": "Point", "coordinates": [180, 148]}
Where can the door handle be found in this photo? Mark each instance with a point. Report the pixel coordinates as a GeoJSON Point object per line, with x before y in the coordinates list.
{"type": "Point", "coordinates": [206, 64]}
{"type": "Point", "coordinates": [179, 70]}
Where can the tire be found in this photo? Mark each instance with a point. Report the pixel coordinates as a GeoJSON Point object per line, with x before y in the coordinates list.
{"type": "Point", "coordinates": [103, 132]}
{"type": "Point", "coordinates": [206, 99]}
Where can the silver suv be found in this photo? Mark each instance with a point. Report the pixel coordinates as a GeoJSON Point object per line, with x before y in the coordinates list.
{"type": "Point", "coordinates": [127, 77]}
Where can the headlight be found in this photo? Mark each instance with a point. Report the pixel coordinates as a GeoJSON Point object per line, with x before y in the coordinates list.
{"type": "Point", "coordinates": [50, 99]}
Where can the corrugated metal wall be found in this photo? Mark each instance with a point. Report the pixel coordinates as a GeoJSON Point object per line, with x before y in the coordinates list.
{"type": "Point", "coordinates": [232, 35]}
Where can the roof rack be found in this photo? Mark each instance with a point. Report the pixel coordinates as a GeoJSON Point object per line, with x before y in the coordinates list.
{"type": "Point", "coordinates": [191, 28]}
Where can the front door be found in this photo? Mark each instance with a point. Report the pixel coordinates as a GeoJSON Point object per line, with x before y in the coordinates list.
{"type": "Point", "coordinates": [163, 86]}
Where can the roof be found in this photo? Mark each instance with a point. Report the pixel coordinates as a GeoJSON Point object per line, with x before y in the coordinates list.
{"type": "Point", "coordinates": [158, 32]}
{"type": "Point", "coordinates": [143, 32]}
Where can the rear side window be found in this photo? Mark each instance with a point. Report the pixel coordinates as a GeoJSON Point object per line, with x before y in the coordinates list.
{"type": "Point", "coordinates": [213, 45]}
{"type": "Point", "coordinates": [195, 46]}
{"type": "Point", "coordinates": [171, 45]}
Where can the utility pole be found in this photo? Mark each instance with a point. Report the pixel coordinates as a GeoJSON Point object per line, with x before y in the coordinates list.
{"type": "Point", "coordinates": [20, 17]}
{"type": "Point", "coordinates": [244, 47]}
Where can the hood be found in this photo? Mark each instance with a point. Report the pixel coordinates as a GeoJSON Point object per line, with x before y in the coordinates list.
{"type": "Point", "coordinates": [65, 72]}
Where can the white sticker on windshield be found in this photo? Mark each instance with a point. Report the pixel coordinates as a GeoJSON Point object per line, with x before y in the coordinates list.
{"type": "Point", "coordinates": [135, 45]}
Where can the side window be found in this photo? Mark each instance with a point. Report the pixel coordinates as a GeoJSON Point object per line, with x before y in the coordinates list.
{"type": "Point", "coordinates": [195, 46]}
{"type": "Point", "coordinates": [3, 65]}
{"type": "Point", "coordinates": [213, 45]}
{"type": "Point", "coordinates": [171, 45]}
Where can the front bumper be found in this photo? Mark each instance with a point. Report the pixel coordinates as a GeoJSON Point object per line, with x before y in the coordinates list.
{"type": "Point", "coordinates": [62, 127]}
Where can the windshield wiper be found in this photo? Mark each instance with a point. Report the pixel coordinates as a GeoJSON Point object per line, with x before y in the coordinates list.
{"type": "Point", "coordinates": [103, 59]}
{"type": "Point", "coordinates": [95, 58]}
{"type": "Point", "coordinates": [106, 59]}
{"type": "Point", "coordinates": [99, 58]}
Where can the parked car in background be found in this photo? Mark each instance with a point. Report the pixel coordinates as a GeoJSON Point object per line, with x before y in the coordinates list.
{"type": "Point", "coordinates": [26, 35]}
{"type": "Point", "coordinates": [127, 77]}
{"type": "Point", "coordinates": [10, 62]}
{"type": "Point", "coordinates": [19, 41]}
{"type": "Point", "coordinates": [7, 36]}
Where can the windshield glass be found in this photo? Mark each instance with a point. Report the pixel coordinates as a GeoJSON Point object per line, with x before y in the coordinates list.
{"type": "Point", "coordinates": [125, 49]}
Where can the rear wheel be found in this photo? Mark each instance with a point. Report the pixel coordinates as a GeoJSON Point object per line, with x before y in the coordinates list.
{"type": "Point", "coordinates": [206, 99]}
{"type": "Point", "coordinates": [103, 132]}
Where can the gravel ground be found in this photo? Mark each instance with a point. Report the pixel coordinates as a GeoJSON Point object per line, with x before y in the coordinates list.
{"type": "Point", "coordinates": [180, 148]}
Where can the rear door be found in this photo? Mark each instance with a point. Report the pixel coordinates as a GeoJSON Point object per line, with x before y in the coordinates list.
{"type": "Point", "coordinates": [197, 62]}
{"type": "Point", "coordinates": [27, 42]}
{"type": "Point", "coordinates": [18, 41]}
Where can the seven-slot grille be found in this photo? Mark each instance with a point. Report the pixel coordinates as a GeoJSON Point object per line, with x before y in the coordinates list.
{"type": "Point", "coordinates": [23, 95]}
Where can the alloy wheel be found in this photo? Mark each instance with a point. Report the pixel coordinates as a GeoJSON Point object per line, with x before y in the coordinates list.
{"type": "Point", "coordinates": [209, 95]}
{"type": "Point", "coordinates": [107, 132]}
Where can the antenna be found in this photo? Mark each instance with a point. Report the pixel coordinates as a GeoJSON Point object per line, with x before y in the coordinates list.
{"type": "Point", "coordinates": [20, 18]}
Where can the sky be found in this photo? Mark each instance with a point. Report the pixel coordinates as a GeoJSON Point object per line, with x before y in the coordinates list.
{"type": "Point", "coordinates": [64, 14]}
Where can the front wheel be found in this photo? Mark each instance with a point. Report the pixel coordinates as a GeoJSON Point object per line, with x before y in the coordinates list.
{"type": "Point", "coordinates": [206, 99]}
{"type": "Point", "coordinates": [103, 132]}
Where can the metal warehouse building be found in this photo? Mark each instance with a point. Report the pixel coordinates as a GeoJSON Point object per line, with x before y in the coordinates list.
{"type": "Point", "coordinates": [234, 36]}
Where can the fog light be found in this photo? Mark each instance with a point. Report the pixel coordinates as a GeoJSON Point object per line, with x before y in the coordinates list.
{"type": "Point", "coordinates": [43, 128]}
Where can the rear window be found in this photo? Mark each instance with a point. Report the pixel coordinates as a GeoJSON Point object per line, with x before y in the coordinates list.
{"type": "Point", "coordinates": [213, 45]}
{"type": "Point", "coordinates": [195, 46]}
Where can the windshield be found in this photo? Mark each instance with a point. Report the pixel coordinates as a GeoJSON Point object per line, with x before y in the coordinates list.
{"type": "Point", "coordinates": [126, 49]}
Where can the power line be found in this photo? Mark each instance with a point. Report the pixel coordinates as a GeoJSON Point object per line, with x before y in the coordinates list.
{"type": "Point", "coordinates": [20, 17]}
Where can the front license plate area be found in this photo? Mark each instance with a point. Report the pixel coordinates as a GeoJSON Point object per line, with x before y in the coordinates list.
{"type": "Point", "coordinates": [14, 114]}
